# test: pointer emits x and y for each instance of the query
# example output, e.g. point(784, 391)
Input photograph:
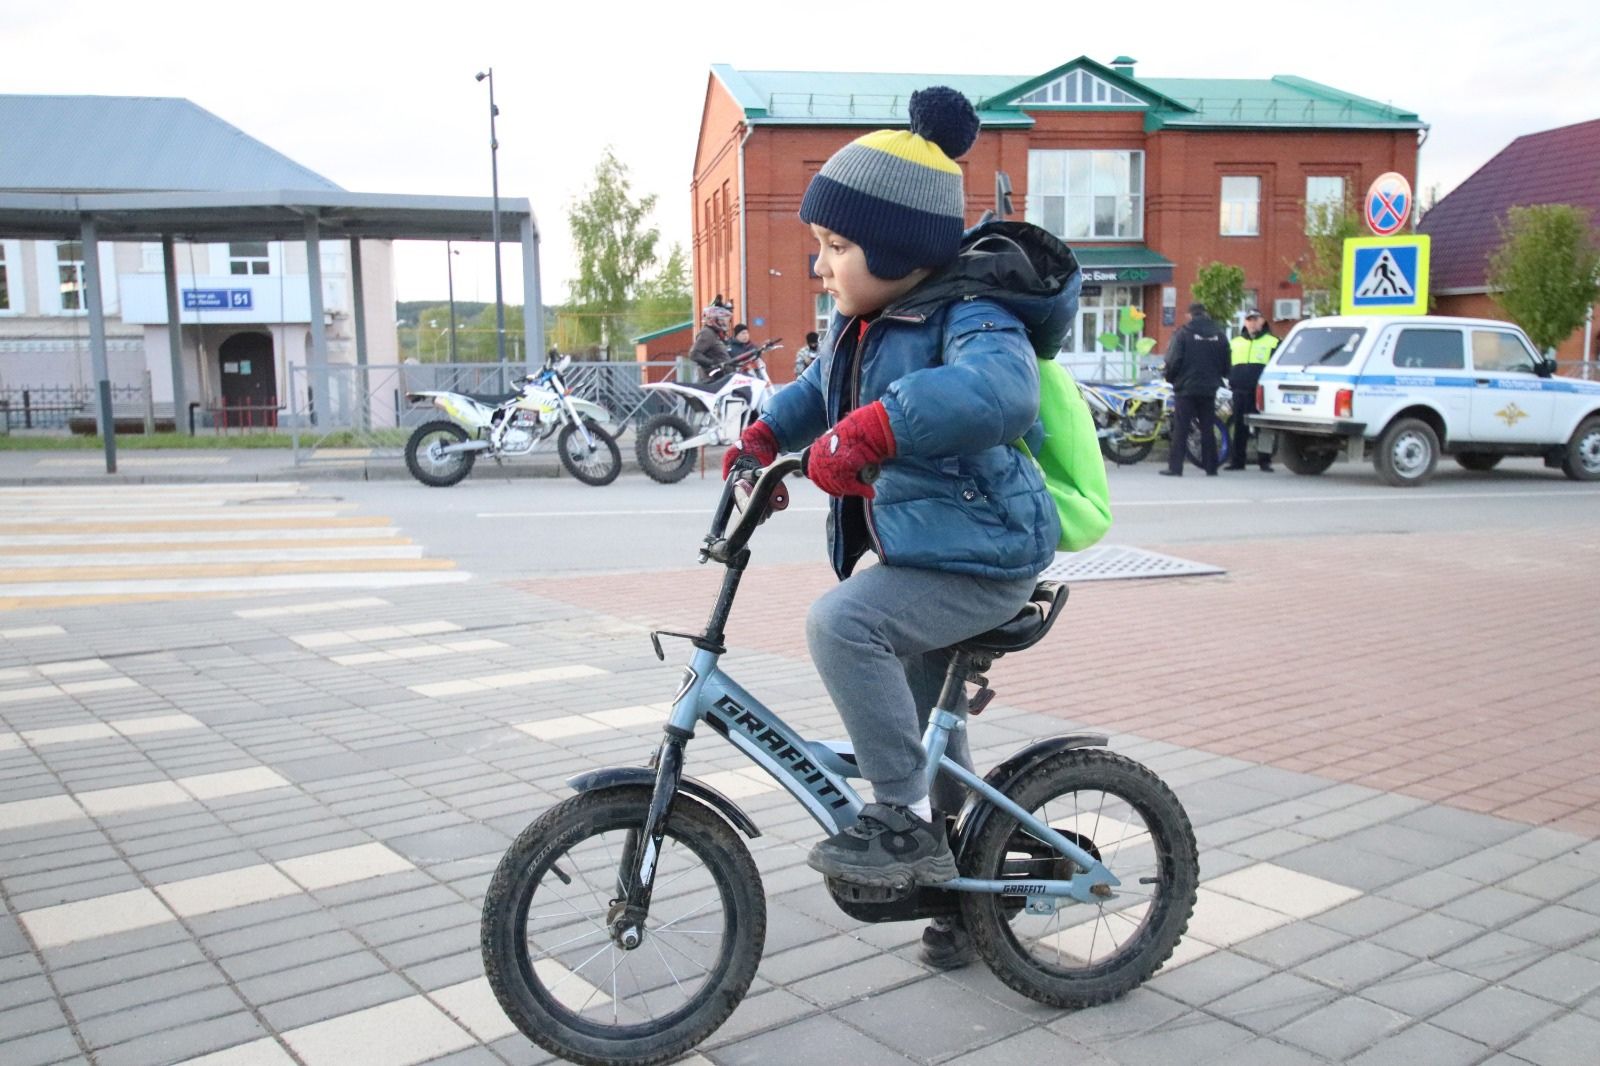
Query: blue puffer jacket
point(954, 364)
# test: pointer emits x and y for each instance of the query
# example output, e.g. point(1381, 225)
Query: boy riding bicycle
point(928, 370)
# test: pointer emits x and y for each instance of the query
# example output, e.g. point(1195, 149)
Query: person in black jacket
point(1197, 362)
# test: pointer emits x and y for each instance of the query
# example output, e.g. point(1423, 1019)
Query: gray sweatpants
point(878, 639)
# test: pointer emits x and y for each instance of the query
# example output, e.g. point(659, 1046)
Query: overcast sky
point(381, 98)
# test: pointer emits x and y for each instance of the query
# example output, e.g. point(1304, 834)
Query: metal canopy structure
point(267, 215)
point(312, 215)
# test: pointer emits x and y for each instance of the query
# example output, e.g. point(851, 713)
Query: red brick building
point(1552, 167)
point(1148, 179)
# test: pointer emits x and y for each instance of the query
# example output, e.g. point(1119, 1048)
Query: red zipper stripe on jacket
point(855, 402)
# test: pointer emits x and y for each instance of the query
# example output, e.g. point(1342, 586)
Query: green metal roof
point(1091, 256)
point(663, 332)
point(821, 98)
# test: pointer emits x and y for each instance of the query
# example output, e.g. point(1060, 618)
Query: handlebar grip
point(867, 474)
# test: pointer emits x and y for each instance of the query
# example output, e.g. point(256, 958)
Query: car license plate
point(1299, 398)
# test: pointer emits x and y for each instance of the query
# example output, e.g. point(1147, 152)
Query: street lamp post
point(494, 175)
point(450, 278)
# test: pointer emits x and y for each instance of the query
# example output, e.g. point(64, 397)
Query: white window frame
point(251, 261)
point(1074, 203)
point(16, 302)
point(1233, 221)
point(1323, 201)
point(823, 308)
point(1079, 88)
point(48, 271)
point(1250, 298)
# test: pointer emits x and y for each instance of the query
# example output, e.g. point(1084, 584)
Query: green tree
point(1328, 226)
point(1546, 272)
point(615, 244)
point(1221, 288)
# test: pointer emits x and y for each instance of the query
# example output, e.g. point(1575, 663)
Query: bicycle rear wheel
point(549, 954)
point(1084, 954)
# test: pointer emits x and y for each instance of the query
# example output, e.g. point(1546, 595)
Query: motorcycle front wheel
point(660, 448)
point(1125, 452)
point(1219, 433)
point(554, 965)
point(424, 460)
point(597, 465)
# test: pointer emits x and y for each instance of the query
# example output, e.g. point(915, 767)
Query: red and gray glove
point(861, 437)
point(757, 441)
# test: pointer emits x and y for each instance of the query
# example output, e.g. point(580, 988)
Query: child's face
point(742, 336)
point(842, 266)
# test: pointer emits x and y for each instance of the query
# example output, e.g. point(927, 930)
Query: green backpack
point(1074, 472)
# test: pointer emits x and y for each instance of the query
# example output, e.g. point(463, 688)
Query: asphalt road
point(527, 527)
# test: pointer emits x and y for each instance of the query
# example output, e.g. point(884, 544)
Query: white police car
point(1406, 389)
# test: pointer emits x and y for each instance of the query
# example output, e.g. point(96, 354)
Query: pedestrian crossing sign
point(1385, 276)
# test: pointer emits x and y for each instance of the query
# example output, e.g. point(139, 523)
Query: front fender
point(643, 775)
point(590, 409)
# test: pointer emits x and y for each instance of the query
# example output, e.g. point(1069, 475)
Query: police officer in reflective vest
point(1250, 350)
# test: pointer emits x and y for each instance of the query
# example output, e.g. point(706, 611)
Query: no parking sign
point(1388, 204)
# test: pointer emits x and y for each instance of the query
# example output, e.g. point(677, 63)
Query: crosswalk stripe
point(72, 547)
point(187, 557)
point(189, 525)
point(165, 544)
point(11, 576)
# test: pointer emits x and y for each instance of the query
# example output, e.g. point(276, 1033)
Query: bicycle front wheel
point(547, 945)
point(1083, 954)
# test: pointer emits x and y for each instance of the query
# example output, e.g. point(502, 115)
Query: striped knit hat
point(898, 194)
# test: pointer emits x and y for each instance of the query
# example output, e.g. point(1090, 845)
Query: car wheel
point(1407, 453)
point(1303, 457)
point(1478, 460)
point(1583, 451)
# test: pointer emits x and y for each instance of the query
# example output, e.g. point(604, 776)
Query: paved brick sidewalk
point(258, 832)
point(1459, 669)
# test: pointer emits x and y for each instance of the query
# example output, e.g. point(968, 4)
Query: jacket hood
point(1017, 265)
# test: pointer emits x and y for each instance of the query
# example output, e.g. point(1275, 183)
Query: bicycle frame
point(815, 773)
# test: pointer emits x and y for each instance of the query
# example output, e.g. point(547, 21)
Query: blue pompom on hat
point(897, 193)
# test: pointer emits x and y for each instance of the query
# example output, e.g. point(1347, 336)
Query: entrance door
point(249, 381)
point(1099, 309)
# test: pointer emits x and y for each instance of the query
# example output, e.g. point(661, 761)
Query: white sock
point(922, 809)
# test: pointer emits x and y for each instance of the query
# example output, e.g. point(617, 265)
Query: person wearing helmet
point(710, 350)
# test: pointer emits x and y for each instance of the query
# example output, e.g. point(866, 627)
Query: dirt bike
point(441, 452)
point(1127, 418)
point(718, 411)
point(625, 924)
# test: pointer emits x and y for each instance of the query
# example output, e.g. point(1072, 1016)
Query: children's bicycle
point(625, 924)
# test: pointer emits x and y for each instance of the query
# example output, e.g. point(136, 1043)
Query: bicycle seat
point(1027, 628)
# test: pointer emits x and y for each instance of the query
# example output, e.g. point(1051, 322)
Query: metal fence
point(368, 410)
point(68, 406)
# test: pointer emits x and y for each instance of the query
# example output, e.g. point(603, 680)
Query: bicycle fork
point(636, 874)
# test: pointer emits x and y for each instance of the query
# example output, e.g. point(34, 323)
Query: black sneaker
point(947, 945)
point(888, 847)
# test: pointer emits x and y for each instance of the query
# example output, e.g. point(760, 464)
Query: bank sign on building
point(1147, 178)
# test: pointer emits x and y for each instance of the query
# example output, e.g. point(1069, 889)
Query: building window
point(824, 311)
point(1085, 195)
point(248, 257)
point(5, 281)
point(1324, 202)
point(1318, 302)
point(1250, 297)
point(1241, 206)
point(69, 272)
point(1079, 87)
